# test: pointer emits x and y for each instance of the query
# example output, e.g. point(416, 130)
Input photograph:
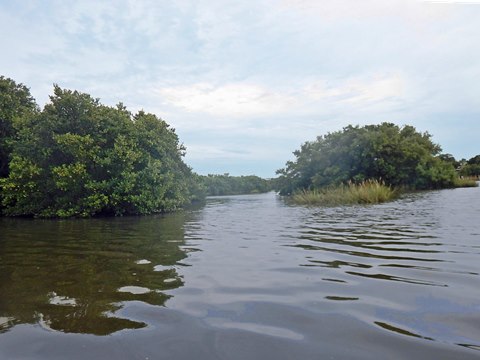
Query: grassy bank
point(367, 192)
point(465, 182)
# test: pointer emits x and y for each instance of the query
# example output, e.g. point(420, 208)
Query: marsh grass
point(465, 182)
point(366, 192)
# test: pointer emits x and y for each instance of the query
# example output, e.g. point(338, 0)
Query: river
point(248, 277)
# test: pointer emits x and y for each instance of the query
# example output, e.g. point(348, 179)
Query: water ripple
point(393, 280)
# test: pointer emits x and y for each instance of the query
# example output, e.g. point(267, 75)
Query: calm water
point(248, 277)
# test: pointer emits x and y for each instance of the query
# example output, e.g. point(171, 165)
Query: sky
point(245, 83)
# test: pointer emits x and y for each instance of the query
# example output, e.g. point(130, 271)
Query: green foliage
point(78, 157)
point(400, 156)
point(470, 170)
point(449, 158)
point(471, 167)
point(233, 185)
point(366, 192)
point(15, 103)
point(474, 160)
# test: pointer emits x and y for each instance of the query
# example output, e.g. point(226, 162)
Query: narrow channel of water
point(248, 277)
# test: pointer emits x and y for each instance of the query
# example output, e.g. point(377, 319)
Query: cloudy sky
point(244, 83)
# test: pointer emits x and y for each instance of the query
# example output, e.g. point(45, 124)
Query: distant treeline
point(464, 167)
point(233, 185)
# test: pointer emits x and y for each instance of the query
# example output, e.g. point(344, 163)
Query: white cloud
point(231, 99)
point(202, 151)
point(341, 10)
point(239, 100)
point(372, 88)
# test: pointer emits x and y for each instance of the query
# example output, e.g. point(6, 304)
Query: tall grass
point(366, 192)
point(465, 182)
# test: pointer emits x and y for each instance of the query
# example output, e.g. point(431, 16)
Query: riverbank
point(366, 192)
point(466, 182)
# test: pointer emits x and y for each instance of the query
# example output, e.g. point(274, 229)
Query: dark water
point(248, 277)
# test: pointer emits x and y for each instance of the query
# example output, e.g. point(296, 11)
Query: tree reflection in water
point(74, 275)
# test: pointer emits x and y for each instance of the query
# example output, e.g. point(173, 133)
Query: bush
point(78, 157)
point(400, 156)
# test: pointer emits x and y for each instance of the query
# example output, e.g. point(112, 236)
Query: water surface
point(248, 277)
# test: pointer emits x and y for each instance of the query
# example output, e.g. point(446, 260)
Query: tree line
point(218, 185)
point(77, 157)
point(464, 167)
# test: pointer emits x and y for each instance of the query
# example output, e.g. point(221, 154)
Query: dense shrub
point(78, 157)
point(399, 156)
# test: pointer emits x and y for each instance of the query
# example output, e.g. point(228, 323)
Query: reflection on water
point(73, 275)
point(251, 277)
